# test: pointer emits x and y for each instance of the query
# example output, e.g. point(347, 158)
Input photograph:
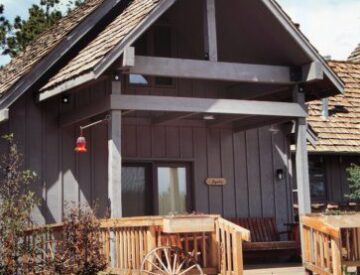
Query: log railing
point(217, 247)
point(330, 244)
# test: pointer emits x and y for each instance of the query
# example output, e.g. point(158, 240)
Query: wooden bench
point(266, 237)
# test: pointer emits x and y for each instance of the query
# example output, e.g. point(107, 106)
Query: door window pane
point(133, 191)
point(172, 190)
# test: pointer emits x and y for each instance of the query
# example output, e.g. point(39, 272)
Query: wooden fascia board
point(66, 86)
point(200, 69)
point(206, 105)
point(303, 42)
point(67, 43)
point(130, 38)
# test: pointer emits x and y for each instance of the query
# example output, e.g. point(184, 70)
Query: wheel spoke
point(180, 266)
point(167, 259)
point(161, 262)
point(154, 265)
point(188, 269)
point(175, 261)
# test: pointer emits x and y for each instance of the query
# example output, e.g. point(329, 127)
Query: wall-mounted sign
point(216, 181)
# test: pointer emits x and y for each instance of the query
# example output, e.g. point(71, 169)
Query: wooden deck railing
point(330, 243)
point(218, 249)
point(229, 238)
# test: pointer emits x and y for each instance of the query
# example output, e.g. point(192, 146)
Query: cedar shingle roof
point(355, 55)
point(105, 41)
point(341, 131)
point(23, 63)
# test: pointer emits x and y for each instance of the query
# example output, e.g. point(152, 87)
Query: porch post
point(302, 166)
point(114, 158)
point(114, 166)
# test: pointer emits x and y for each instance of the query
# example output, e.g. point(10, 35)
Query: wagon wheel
point(168, 260)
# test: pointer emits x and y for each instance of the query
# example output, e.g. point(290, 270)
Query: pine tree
point(16, 35)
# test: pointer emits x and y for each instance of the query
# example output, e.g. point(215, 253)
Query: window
point(172, 190)
point(317, 178)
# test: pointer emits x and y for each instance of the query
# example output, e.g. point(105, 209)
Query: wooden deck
point(285, 269)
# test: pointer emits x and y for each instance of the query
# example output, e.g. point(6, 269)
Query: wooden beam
point(86, 112)
point(171, 117)
point(236, 91)
point(257, 122)
point(4, 115)
point(128, 59)
point(210, 33)
point(224, 121)
point(200, 69)
point(206, 105)
point(313, 72)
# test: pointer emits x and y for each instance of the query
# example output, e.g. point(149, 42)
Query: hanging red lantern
point(81, 143)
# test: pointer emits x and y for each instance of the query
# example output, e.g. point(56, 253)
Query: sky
point(333, 26)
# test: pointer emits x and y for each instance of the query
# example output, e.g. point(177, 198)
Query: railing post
point(336, 256)
point(237, 256)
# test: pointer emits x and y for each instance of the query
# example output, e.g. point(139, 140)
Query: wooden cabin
point(186, 106)
point(335, 123)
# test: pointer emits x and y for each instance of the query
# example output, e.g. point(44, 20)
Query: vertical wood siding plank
point(267, 174)
point(172, 142)
point(201, 190)
point(241, 182)
point(158, 142)
point(129, 143)
point(281, 195)
point(186, 143)
point(253, 162)
point(52, 171)
point(214, 170)
point(143, 140)
point(227, 164)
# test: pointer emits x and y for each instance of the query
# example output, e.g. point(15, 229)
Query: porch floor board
point(285, 269)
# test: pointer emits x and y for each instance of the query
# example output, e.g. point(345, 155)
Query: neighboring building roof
point(24, 62)
point(340, 132)
point(355, 55)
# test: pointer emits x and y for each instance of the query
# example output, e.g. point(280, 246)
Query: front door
point(155, 189)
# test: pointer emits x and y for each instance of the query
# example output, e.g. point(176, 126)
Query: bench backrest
point(261, 229)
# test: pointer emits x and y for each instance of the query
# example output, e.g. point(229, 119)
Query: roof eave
point(299, 37)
